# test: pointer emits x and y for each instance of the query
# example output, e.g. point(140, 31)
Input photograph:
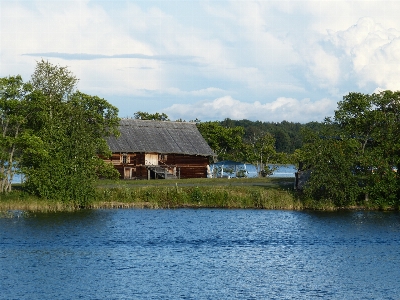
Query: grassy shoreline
point(259, 193)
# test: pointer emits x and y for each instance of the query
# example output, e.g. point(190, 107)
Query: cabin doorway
point(127, 173)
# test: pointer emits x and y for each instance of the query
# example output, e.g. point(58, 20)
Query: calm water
point(284, 171)
point(200, 254)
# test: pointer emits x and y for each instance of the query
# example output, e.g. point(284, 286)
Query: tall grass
point(162, 197)
point(192, 194)
point(18, 200)
point(196, 197)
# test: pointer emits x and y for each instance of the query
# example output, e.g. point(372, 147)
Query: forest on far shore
point(287, 135)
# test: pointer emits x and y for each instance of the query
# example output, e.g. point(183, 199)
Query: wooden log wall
point(189, 166)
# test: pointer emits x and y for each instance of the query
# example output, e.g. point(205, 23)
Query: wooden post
point(148, 174)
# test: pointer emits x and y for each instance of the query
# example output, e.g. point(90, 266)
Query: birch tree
point(13, 114)
point(260, 151)
point(71, 127)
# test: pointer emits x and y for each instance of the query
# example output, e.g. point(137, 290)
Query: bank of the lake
point(197, 193)
point(255, 193)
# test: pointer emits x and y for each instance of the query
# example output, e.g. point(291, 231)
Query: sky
point(258, 60)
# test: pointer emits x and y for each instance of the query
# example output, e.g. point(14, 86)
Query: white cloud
point(324, 69)
point(197, 93)
point(75, 27)
point(374, 53)
point(281, 109)
point(157, 53)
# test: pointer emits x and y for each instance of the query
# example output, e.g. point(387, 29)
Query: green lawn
point(267, 182)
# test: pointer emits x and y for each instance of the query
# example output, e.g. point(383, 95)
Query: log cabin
point(148, 149)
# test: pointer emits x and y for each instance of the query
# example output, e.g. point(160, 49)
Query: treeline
point(258, 143)
point(287, 135)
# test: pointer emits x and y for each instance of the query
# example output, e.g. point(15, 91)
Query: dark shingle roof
point(160, 137)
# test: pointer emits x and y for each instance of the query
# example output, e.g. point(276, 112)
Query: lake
point(200, 254)
point(282, 171)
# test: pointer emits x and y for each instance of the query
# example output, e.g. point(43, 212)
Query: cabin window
point(163, 157)
point(125, 159)
point(151, 159)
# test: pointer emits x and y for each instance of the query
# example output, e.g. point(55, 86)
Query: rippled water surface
point(200, 254)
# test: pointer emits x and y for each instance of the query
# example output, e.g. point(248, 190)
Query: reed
point(249, 194)
point(326, 205)
point(196, 197)
point(20, 201)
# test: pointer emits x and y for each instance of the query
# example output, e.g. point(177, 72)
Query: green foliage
point(330, 159)
point(196, 195)
point(54, 134)
point(287, 139)
point(260, 151)
point(55, 82)
point(13, 115)
point(199, 196)
point(147, 116)
point(73, 137)
point(355, 156)
point(226, 142)
point(287, 135)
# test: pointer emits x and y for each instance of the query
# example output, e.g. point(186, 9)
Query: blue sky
point(211, 60)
